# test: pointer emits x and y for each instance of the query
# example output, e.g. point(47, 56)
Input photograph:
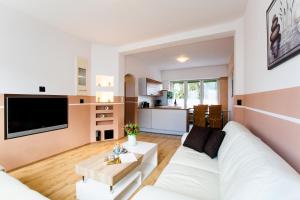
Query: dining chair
point(215, 116)
point(199, 115)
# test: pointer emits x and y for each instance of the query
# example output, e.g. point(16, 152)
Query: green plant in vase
point(132, 131)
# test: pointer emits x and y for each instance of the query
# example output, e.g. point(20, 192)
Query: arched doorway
point(131, 100)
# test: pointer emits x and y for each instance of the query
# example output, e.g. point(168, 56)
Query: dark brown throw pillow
point(197, 138)
point(213, 143)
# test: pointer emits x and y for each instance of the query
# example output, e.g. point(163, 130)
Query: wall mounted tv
point(32, 114)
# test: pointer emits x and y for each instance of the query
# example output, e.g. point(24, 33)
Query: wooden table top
point(95, 168)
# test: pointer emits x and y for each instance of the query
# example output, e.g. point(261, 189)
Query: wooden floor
point(55, 177)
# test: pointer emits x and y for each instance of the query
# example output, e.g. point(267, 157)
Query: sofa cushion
point(150, 193)
point(189, 181)
point(249, 169)
point(189, 157)
point(213, 143)
point(197, 137)
point(12, 189)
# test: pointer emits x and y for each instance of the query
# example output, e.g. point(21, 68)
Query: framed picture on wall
point(283, 30)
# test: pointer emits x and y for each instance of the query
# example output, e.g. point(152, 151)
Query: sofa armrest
point(184, 137)
point(2, 168)
point(151, 192)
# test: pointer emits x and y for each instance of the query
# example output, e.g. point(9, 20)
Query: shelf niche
point(104, 97)
point(103, 81)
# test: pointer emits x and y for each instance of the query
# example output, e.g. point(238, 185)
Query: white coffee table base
point(149, 151)
point(94, 190)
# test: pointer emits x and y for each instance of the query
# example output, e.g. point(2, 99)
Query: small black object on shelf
point(42, 89)
point(98, 135)
point(239, 102)
point(108, 134)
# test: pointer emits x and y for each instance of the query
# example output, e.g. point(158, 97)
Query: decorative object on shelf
point(283, 24)
point(105, 97)
point(175, 103)
point(112, 160)
point(132, 131)
point(106, 108)
point(104, 81)
point(119, 149)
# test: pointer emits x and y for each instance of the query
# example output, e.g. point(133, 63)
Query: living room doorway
point(131, 99)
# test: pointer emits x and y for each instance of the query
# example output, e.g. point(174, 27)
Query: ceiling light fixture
point(182, 59)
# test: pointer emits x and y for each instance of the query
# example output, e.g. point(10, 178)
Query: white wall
point(235, 27)
point(33, 53)
point(209, 72)
point(105, 60)
point(239, 58)
point(139, 70)
point(258, 78)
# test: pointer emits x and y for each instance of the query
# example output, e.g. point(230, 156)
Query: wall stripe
point(279, 116)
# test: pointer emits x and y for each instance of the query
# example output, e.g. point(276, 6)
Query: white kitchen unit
point(149, 87)
point(163, 120)
point(145, 118)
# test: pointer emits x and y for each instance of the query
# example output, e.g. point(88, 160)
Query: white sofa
point(246, 169)
point(12, 189)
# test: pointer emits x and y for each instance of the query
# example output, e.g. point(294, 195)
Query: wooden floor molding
point(55, 177)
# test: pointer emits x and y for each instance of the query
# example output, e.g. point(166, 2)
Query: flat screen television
point(32, 114)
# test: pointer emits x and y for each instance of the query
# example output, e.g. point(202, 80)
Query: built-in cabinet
point(107, 115)
point(104, 122)
point(82, 76)
point(149, 87)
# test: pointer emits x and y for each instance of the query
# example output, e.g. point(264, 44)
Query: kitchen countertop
point(167, 108)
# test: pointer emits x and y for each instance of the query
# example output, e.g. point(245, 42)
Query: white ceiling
point(205, 53)
point(120, 22)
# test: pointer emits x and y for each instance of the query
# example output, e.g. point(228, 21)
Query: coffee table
point(120, 181)
point(149, 152)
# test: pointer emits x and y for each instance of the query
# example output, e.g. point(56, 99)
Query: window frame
point(185, 82)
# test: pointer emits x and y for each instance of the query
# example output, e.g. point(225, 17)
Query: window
point(179, 94)
point(210, 90)
point(194, 92)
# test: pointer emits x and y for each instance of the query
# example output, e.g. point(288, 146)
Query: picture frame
point(283, 31)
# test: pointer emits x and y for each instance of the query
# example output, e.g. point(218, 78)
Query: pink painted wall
point(281, 135)
point(24, 150)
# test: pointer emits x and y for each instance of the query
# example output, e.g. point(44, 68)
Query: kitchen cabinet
point(149, 87)
point(163, 120)
point(168, 119)
point(145, 118)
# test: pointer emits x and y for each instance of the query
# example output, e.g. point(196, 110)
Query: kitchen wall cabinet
point(149, 87)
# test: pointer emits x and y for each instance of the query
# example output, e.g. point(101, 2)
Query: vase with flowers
point(132, 131)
